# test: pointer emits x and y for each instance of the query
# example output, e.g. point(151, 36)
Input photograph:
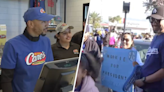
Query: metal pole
point(125, 22)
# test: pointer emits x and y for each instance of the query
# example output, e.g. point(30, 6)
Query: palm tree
point(94, 19)
point(152, 4)
point(117, 18)
point(113, 19)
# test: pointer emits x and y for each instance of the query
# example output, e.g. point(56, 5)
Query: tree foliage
point(116, 18)
point(152, 4)
point(95, 19)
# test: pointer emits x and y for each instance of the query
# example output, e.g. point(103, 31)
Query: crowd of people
point(24, 55)
point(152, 71)
point(112, 38)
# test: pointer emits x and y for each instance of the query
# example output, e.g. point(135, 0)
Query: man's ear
point(30, 24)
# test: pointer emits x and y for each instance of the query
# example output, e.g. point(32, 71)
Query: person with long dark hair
point(88, 71)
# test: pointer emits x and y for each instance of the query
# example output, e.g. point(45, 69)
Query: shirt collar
point(31, 38)
point(59, 45)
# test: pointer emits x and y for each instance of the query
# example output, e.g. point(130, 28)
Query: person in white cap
point(64, 48)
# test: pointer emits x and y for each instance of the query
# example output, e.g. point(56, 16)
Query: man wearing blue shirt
point(153, 69)
point(25, 54)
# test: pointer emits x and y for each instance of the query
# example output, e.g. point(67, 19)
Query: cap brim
point(156, 16)
point(148, 17)
point(46, 17)
point(70, 27)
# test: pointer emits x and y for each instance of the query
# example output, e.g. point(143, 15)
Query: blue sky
point(108, 8)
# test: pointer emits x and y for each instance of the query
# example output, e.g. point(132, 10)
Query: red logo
point(35, 58)
point(64, 24)
point(75, 51)
point(42, 10)
point(2, 36)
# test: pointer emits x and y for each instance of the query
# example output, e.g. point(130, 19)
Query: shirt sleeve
point(6, 79)
point(9, 57)
point(138, 59)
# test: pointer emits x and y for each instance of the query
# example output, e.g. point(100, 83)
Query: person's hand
point(139, 83)
point(135, 63)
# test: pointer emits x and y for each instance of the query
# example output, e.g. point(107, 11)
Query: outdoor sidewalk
point(102, 88)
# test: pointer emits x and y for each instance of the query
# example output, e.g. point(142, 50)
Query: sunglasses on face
point(126, 33)
point(125, 39)
point(151, 19)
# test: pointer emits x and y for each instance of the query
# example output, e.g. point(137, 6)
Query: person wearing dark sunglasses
point(128, 43)
point(153, 69)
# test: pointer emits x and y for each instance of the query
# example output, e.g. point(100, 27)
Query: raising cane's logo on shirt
point(35, 58)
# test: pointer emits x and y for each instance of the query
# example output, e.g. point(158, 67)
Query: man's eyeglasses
point(151, 19)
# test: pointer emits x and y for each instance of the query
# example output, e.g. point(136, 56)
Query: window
point(85, 10)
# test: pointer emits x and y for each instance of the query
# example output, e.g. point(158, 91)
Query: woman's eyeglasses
point(124, 39)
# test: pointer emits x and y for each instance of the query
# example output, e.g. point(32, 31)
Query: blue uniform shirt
point(26, 58)
point(154, 61)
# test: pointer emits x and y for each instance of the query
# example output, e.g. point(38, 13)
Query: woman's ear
point(57, 36)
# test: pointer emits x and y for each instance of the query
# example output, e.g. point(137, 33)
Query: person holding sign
point(88, 70)
point(153, 69)
point(127, 43)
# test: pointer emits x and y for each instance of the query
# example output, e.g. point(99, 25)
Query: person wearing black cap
point(153, 69)
point(64, 48)
point(25, 54)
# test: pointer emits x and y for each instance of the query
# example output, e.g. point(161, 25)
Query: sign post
point(126, 8)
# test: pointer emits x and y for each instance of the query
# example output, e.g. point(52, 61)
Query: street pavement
point(102, 88)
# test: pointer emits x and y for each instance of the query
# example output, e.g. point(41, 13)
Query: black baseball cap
point(157, 13)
